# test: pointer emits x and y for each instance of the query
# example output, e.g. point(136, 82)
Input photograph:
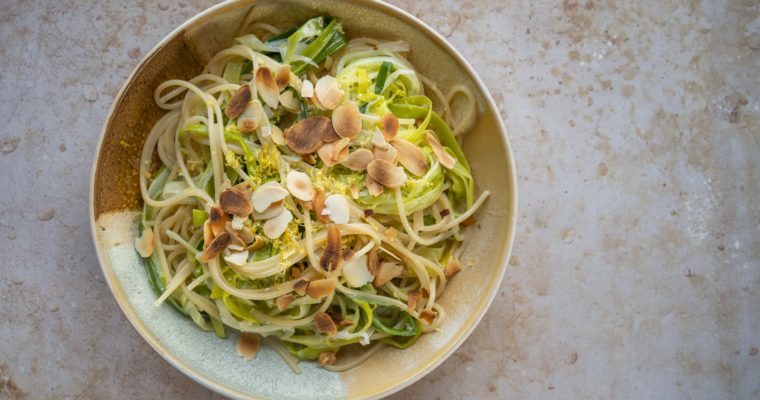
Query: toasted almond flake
point(452, 267)
point(208, 234)
point(346, 120)
point(237, 200)
point(266, 194)
point(235, 240)
point(440, 153)
point(378, 140)
point(324, 324)
point(301, 286)
point(217, 219)
point(238, 102)
point(276, 226)
point(373, 262)
point(216, 247)
point(289, 101)
point(386, 173)
point(320, 288)
point(256, 244)
point(328, 92)
point(331, 257)
point(237, 222)
point(357, 272)
point(410, 156)
point(245, 234)
point(307, 89)
point(388, 154)
point(300, 186)
point(284, 301)
point(354, 189)
point(277, 136)
point(386, 272)
point(319, 206)
point(389, 124)
point(337, 208)
point(282, 77)
point(411, 303)
point(358, 160)
point(239, 258)
point(327, 358)
point(373, 187)
point(268, 89)
point(251, 118)
point(145, 244)
point(335, 152)
point(272, 211)
point(307, 136)
point(248, 345)
point(427, 316)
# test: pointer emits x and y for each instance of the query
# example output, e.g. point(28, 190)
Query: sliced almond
point(256, 244)
point(387, 153)
point(386, 173)
point(308, 159)
point(373, 261)
point(319, 206)
point(337, 209)
point(389, 124)
point(301, 286)
point(331, 257)
point(267, 86)
point(266, 194)
point(237, 200)
point(386, 272)
point(358, 160)
point(235, 240)
point(446, 159)
point(208, 234)
point(282, 77)
point(272, 211)
point(410, 156)
point(427, 316)
point(411, 303)
point(276, 226)
point(307, 89)
point(289, 101)
point(145, 244)
point(284, 301)
point(251, 118)
point(320, 288)
point(216, 247)
point(238, 102)
point(328, 92)
point(245, 235)
point(334, 153)
point(324, 324)
point(239, 259)
point(374, 188)
point(248, 345)
point(277, 136)
point(300, 186)
point(217, 218)
point(378, 140)
point(307, 136)
point(452, 267)
point(327, 358)
point(346, 120)
point(357, 272)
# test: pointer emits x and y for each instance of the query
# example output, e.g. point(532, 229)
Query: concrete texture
point(637, 261)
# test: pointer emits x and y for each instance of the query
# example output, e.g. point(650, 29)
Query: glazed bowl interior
point(115, 208)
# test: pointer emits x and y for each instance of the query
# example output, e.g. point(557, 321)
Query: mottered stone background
point(636, 266)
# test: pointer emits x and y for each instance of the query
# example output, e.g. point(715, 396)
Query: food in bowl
point(303, 191)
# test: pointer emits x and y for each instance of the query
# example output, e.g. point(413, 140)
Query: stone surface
point(637, 261)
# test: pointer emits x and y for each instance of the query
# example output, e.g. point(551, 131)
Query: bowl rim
point(490, 105)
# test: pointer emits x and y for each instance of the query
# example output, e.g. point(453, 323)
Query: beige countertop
point(636, 266)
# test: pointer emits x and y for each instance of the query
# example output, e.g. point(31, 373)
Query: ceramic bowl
point(115, 204)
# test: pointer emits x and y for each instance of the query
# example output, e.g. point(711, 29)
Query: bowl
point(115, 206)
